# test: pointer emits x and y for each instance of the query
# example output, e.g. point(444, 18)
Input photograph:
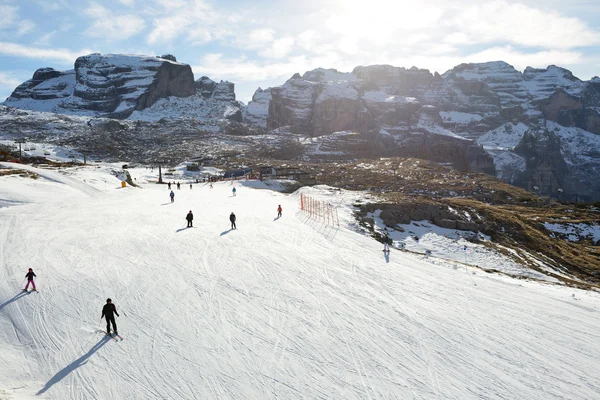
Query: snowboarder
point(233, 191)
point(178, 186)
point(386, 242)
point(172, 196)
point(108, 310)
point(169, 185)
point(29, 275)
point(279, 210)
point(190, 218)
point(232, 219)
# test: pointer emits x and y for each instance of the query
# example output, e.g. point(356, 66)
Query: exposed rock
point(395, 214)
point(170, 57)
point(105, 85)
point(205, 86)
point(415, 113)
point(336, 109)
point(46, 84)
point(257, 110)
point(292, 104)
point(224, 91)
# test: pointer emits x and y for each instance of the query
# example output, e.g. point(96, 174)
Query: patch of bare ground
point(513, 217)
point(20, 172)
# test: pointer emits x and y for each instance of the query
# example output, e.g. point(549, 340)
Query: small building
point(235, 173)
point(193, 166)
point(267, 171)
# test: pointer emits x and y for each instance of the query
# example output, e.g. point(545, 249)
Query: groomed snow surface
point(282, 308)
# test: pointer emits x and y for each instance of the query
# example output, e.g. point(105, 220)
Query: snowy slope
point(280, 308)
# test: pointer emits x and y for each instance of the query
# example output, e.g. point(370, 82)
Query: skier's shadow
point(73, 366)
point(386, 254)
point(15, 298)
point(276, 218)
point(225, 232)
point(183, 229)
point(166, 204)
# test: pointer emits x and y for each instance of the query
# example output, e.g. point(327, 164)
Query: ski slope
point(279, 308)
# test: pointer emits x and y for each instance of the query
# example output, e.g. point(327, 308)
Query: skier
point(169, 184)
point(210, 185)
point(172, 196)
point(279, 210)
point(108, 310)
point(233, 190)
point(232, 219)
point(190, 218)
point(191, 185)
point(178, 186)
point(386, 242)
point(29, 277)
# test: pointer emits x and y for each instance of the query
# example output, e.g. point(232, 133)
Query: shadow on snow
point(73, 366)
point(15, 298)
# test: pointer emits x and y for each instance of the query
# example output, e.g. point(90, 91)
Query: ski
point(119, 336)
point(111, 336)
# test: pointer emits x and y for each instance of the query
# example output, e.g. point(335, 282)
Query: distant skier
point(386, 242)
point(279, 210)
point(178, 186)
point(108, 310)
point(172, 195)
point(232, 219)
point(29, 275)
point(190, 218)
point(190, 186)
point(233, 191)
point(210, 185)
point(169, 184)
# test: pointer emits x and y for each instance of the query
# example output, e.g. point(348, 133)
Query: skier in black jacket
point(29, 277)
point(108, 310)
point(232, 219)
point(190, 218)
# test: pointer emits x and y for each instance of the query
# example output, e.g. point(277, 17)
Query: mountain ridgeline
point(126, 86)
point(538, 129)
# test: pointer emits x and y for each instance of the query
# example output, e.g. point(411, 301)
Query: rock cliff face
point(119, 86)
point(492, 105)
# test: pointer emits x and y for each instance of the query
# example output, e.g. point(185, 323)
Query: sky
point(263, 43)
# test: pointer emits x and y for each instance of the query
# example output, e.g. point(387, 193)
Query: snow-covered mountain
point(541, 127)
point(127, 86)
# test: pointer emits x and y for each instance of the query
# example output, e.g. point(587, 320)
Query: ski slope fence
point(319, 210)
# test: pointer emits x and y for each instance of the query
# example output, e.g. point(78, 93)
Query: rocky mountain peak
point(327, 75)
point(470, 115)
point(122, 86)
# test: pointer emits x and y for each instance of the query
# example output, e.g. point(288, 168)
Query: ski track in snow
point(279, 308)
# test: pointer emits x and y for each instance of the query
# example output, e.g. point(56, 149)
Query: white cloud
point(112, 26)
point(279, 48)
point(194, 19)
point(56, 5)
point(255, 39)
point(62, 55)
point(44, 40)
point(128, 3)
point(25, 26)
point(8, 16)
point(9, 81)
point(499, 21)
